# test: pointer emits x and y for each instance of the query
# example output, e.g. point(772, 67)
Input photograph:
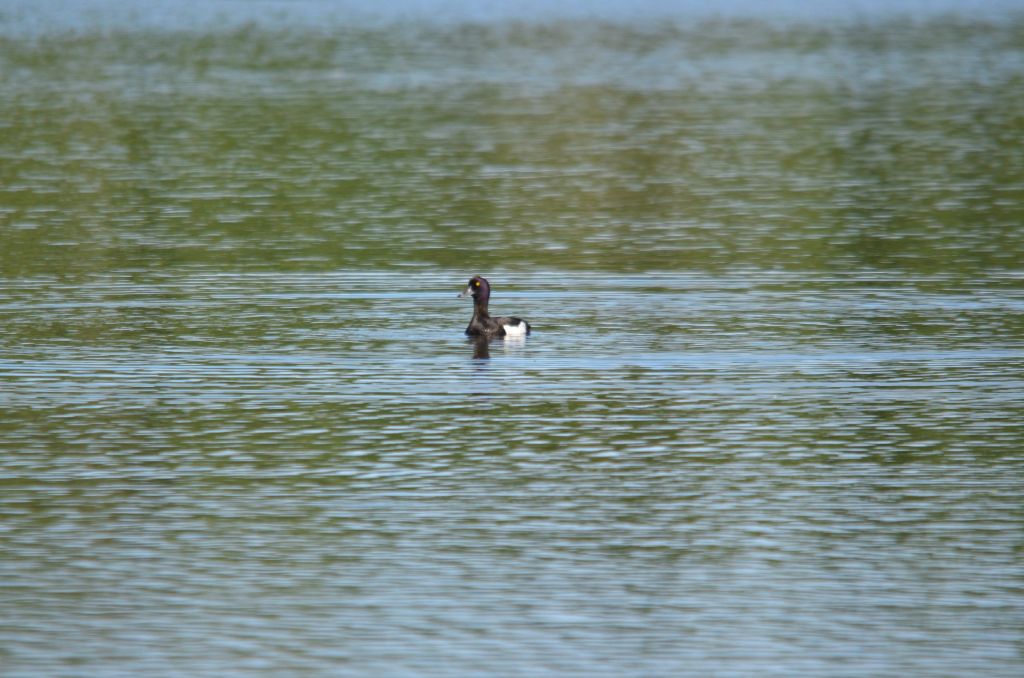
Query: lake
point(770, 420)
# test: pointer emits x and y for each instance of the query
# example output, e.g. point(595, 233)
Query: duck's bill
point(466, 292)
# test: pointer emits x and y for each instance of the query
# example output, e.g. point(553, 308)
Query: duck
point(482, 324)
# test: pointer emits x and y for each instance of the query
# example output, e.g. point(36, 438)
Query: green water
point(769, 421)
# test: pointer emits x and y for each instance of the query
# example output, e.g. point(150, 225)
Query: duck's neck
point(480, 307)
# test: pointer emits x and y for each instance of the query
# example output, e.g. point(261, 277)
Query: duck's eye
point(476, 283)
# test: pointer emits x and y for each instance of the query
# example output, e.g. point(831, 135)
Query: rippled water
point(769, 421)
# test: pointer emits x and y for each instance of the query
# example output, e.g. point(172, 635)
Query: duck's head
point(478, 287)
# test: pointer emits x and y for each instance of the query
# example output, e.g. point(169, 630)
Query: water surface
point(768, 423)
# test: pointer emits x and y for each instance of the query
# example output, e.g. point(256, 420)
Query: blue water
point(768, 421)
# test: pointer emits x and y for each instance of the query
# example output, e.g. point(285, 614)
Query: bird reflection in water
point(481, 348)
point(482, 345)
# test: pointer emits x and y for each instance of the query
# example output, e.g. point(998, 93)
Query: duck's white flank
point(517, 330)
